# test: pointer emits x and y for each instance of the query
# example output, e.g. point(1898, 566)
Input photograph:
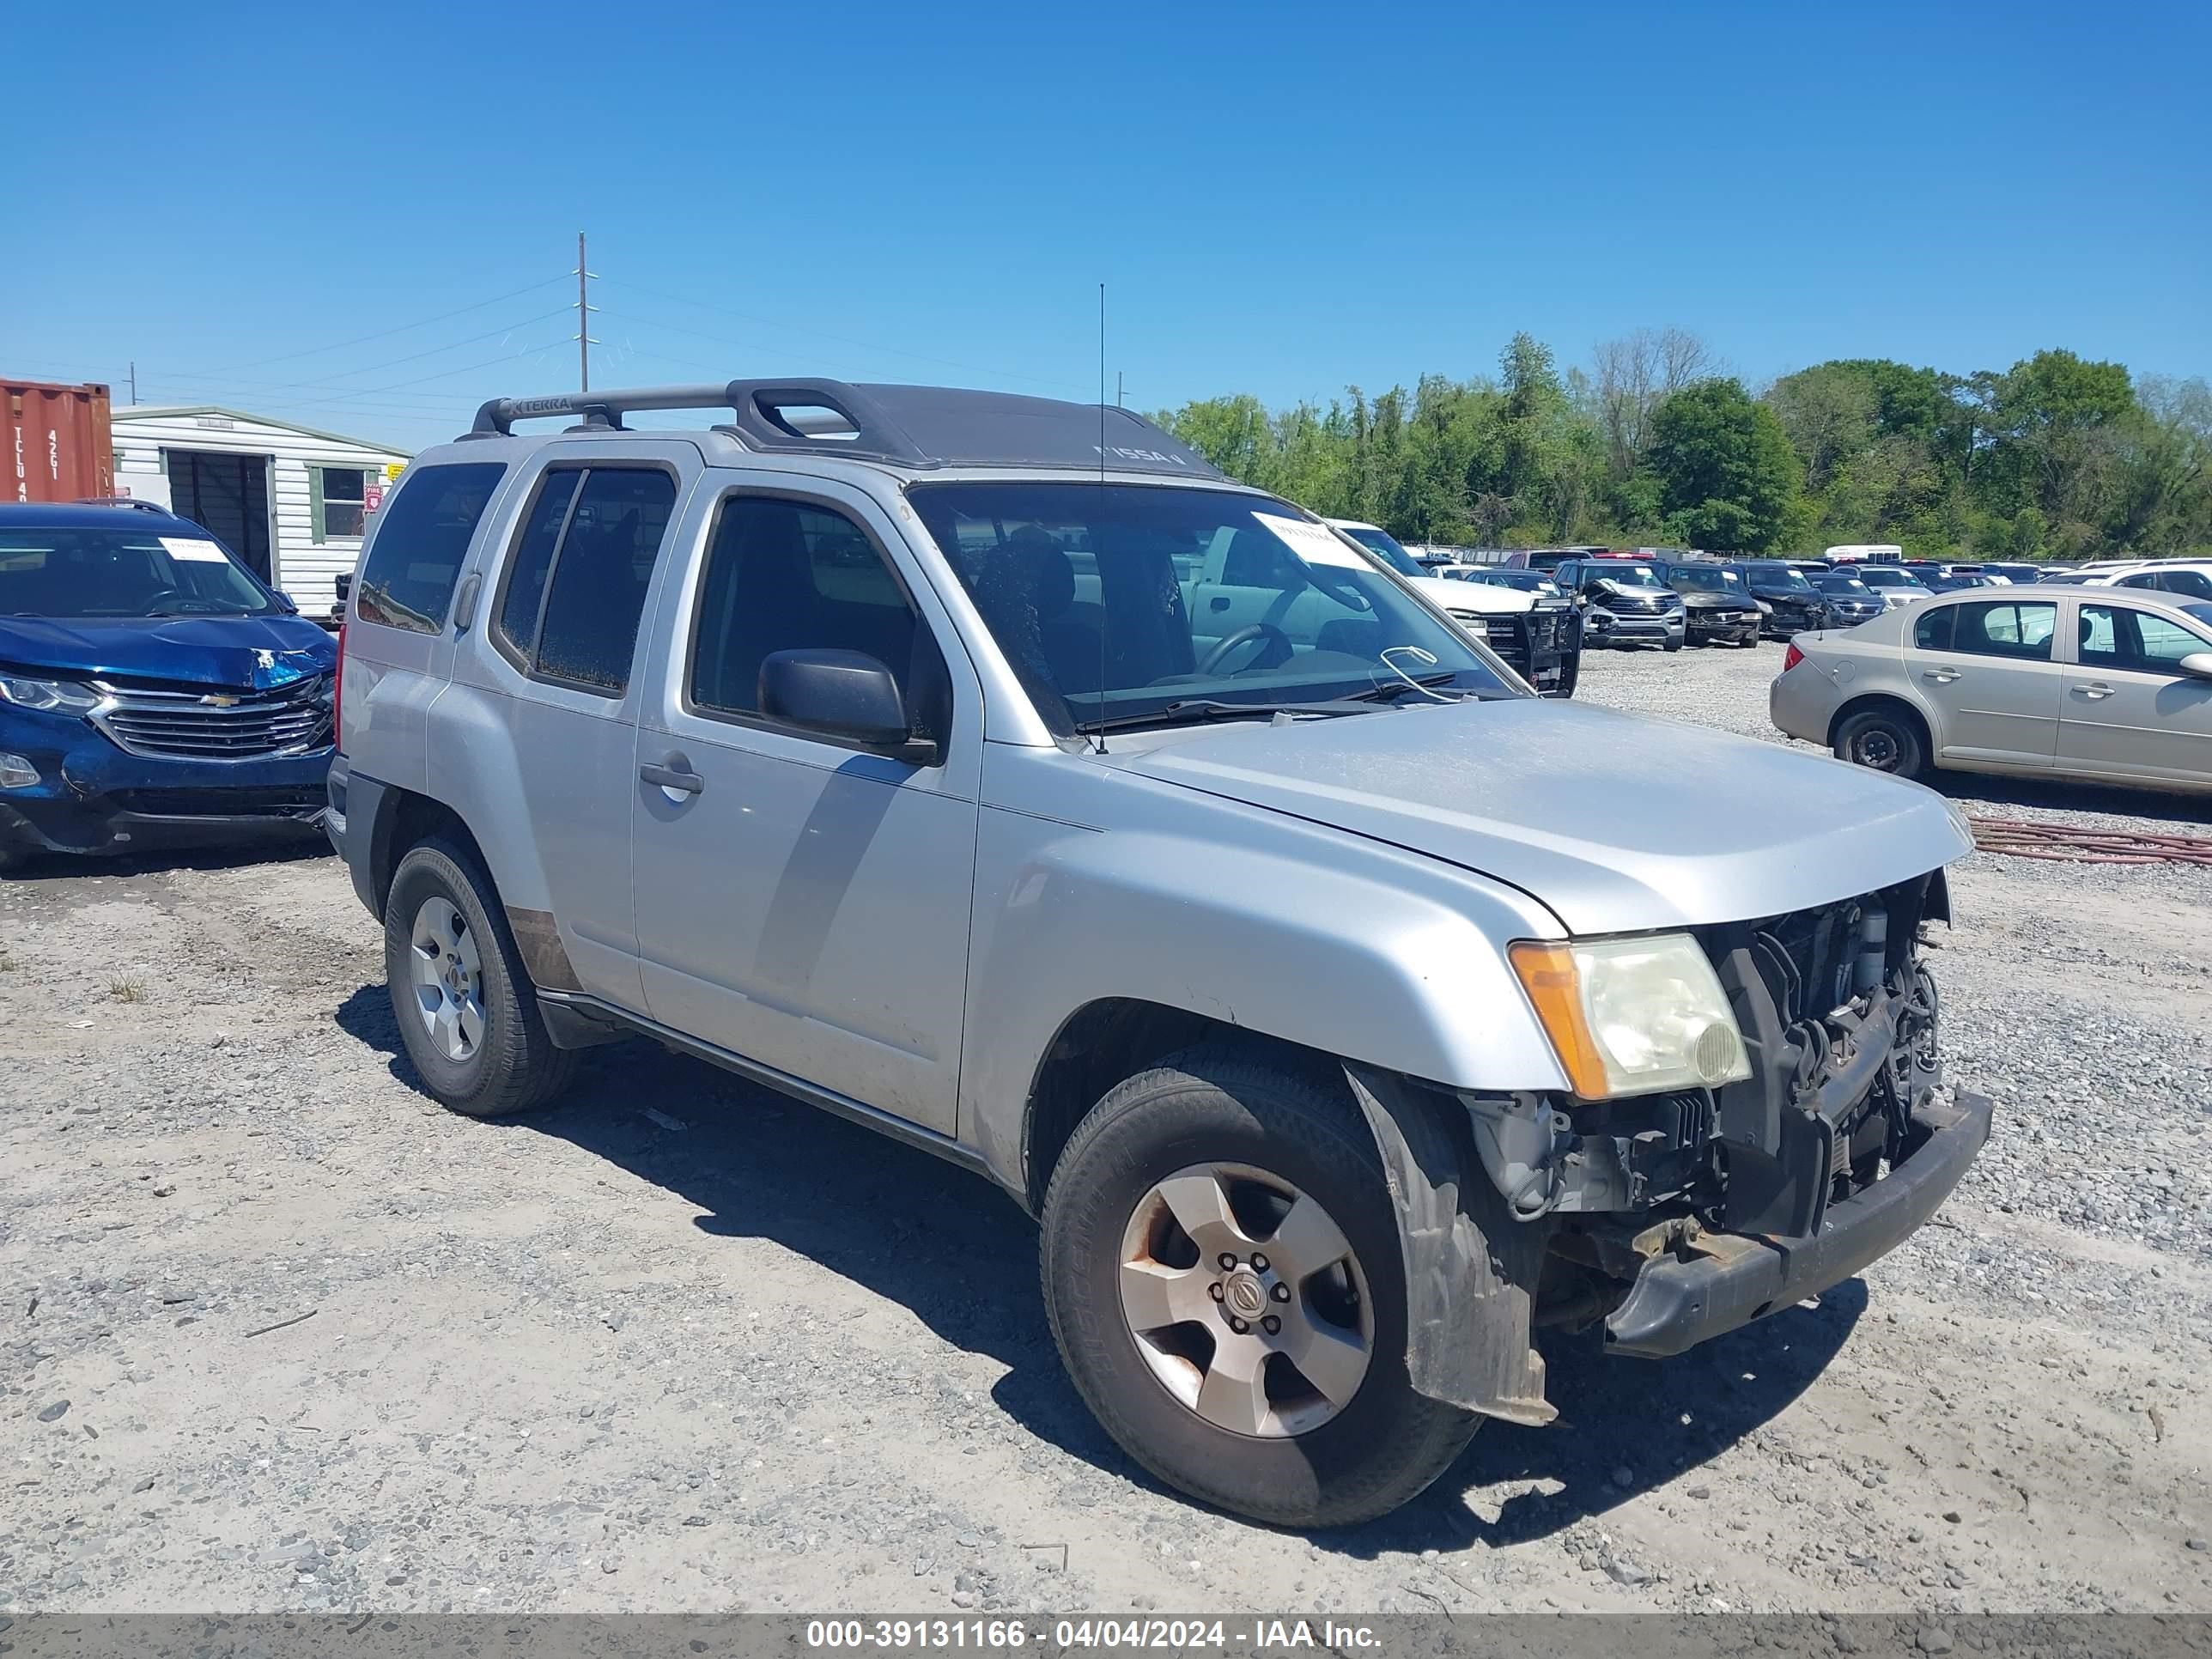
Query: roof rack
point(910, 426)
point(122, 500)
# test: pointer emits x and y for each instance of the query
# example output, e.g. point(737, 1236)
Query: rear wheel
point(1883, 740)
point(1221, 1265)
point(466, 1012)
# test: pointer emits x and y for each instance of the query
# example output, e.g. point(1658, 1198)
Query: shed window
point(338, 496)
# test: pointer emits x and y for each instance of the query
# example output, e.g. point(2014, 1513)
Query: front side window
point(2121, 636)
point(2191, 583)
point(1118, 602)
point(408, 578)
point(82, 574)
point(2003, 629)
point(786, 576)
point(577, 585)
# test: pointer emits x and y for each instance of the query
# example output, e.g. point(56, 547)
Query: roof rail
point(918, 426)
point(122, 500)
point(763, 410)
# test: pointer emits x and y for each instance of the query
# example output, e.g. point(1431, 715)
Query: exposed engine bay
point(1838, 1017)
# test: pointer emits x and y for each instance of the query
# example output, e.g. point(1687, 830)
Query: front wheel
point(466, 1012)
point(1882, 740)
point(1673, 645)
point(1221, 1266)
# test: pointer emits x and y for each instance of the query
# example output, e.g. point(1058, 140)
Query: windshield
point(1692, 579)
point(1385, 547)
point(119, 570)
point(1842, 585)
point(1183, 595)
point(1876, 576)
point(1628, 571)
point(1772, 578)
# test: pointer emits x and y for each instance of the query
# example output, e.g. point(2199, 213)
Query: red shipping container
point(57, 442)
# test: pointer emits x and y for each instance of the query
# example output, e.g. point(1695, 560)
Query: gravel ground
point(278, 1332)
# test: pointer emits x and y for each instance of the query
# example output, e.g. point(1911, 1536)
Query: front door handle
point(2093, 691)
point(1940, 676)
point(1218, 602)
point(674, 773)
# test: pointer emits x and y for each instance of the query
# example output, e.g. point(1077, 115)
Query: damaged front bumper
point(1711, 1283)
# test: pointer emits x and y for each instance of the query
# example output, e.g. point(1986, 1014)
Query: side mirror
point(845, 695)
point(2197, 665)
point(286, 603)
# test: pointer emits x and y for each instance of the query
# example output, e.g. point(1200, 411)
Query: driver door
point(2130, 712)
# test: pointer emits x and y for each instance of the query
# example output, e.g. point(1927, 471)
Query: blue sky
point(1284, 199)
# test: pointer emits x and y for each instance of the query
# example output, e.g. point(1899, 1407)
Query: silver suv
point(993, 772)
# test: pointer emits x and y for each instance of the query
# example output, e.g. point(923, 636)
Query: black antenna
point(1098, 525)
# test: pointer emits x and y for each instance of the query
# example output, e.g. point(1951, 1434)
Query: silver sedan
point(2093, 684)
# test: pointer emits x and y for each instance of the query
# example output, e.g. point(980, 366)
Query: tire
point(1314, 1460)
point(508, 1062)
point(1883, 740)
point(1672, 646)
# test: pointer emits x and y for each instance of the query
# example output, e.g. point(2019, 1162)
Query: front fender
point(1471, 1269)
point(1251, 920)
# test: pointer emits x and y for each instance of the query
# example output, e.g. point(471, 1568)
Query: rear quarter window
point(415, 558)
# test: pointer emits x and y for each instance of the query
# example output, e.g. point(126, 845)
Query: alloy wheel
point(1246, 1300)
point(447, 973)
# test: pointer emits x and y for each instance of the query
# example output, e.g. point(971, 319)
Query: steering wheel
point(1277, 651)
point(159, 598)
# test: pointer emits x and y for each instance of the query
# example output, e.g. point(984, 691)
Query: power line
point(448, 374)
point(383, 333)
point(842, 339)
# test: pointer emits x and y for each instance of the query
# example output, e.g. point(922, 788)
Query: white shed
point(287, 499)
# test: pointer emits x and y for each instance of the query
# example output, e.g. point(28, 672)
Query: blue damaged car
point(154, 692)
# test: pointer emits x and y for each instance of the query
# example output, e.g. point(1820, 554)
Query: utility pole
point(584, 309)
point(1117, 388)
point(134, 383)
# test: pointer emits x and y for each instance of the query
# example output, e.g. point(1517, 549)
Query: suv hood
point(1617, 824)
point(1704, 599)
point(1479, 596)
point(252, 653)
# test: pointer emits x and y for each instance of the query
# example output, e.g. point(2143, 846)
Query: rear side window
point(575, 587)
point(2003, 629)
point(424, 535)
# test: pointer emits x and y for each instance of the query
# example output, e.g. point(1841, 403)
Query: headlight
point(49, 696)
point(1764, 608)
point(1632, 1016)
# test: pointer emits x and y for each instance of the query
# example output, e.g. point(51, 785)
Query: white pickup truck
point(1540, 637)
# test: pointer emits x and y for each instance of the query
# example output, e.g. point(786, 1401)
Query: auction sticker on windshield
point(193, 549)
point(1314, 543)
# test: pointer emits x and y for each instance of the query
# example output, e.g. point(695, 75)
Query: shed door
point(228, 494)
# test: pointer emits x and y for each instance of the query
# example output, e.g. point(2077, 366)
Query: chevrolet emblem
point(219, 700)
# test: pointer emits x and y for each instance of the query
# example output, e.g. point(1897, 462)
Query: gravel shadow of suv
point(992, 772)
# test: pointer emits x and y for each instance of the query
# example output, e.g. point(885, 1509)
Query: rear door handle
point(2092, 692)
point(675, 774)
point(1940, 676)
point(1218, 602)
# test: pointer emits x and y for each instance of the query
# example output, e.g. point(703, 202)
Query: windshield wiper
point(1391, 690)
point(1196, 709)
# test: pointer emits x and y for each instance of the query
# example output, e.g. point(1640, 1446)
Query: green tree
point(1728, 478)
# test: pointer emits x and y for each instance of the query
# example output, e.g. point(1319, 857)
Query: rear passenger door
point(1985, 668)
point(562, 621)
point(802, 903)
